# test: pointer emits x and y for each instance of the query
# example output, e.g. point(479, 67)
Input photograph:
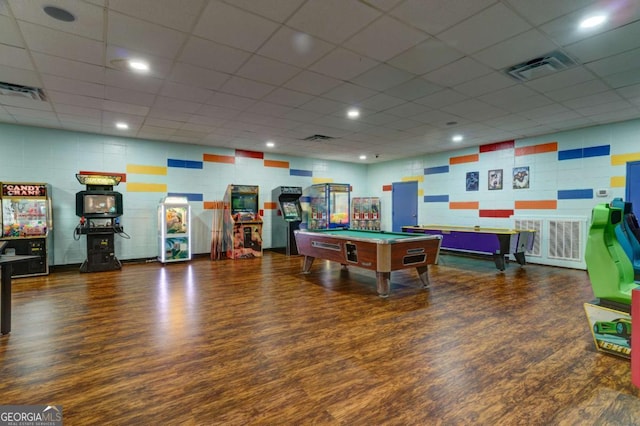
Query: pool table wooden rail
point(382, 255)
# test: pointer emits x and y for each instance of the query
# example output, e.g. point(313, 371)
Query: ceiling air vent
point(541, 67)
point(10, 89)
point(314, 138)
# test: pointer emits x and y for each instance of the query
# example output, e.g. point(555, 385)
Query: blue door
point(404, 205)
point(632, 193)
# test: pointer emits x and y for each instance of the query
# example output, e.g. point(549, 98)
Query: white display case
point(174, 229)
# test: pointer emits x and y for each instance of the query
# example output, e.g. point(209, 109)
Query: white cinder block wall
point(30, 154)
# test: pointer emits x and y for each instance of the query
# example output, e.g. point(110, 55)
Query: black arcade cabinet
point(288, 198)
point(99, 208)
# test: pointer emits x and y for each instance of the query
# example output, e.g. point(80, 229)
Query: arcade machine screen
point(98, 204)
point(290, 211)
point(244, 203)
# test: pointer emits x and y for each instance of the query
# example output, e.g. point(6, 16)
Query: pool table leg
point(498, 258)
point(520, 258)
point(383, 283)
point(308, 261)
point(423, 273)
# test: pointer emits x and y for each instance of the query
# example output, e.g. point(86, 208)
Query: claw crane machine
point(27, 224)
point(174, 229)
point(329, 205)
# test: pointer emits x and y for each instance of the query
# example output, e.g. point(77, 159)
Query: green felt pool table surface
point(372, 235)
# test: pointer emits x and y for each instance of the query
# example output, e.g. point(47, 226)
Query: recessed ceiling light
point(122, 126)
point(59, 14)
point(457, 138)
point(138, 65)
point(271, 144)
point(353, 113)
point(593, 21)
point(363, 157)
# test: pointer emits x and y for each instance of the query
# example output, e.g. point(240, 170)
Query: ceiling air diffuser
point(541, 67)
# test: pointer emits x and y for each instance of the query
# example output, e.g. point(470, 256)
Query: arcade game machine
point(99, 208)
point(282, 231)
point(329, 205)
point(174, 229)
point(612, 279)
point(27, 226)
point(365, 213)
point(242, 222)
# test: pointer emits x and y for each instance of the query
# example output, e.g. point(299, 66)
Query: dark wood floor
point(256, 342)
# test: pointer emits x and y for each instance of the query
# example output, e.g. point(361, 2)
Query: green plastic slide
point(609, 268)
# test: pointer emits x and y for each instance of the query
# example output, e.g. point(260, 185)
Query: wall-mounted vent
point(534, 225)
point(314, 138)
point(540, 67)
point(10, 89)
point(565, 240)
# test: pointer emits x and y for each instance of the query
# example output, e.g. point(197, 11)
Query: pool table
point(378, 251)
point(498, 242)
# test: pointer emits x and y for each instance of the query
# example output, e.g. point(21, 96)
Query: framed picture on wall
point(521, 177)
point(495, 179)
point(473, 180)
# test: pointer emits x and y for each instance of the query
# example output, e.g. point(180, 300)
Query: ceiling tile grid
point(239, 73)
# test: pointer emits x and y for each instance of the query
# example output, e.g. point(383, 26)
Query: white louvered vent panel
point(565, 240)
point(535, 225)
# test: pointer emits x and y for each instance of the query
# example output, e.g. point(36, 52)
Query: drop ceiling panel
point(15, 57)
point(180, 15)
point(561, 79)
point(381, 102)
point(383, 77)
point(312, 83)
point(349, 93)
point(267, 70)
point(197, 76)
point(233, 27)
point(384, 39)
point(246, 88)
point(540, 11)
point(143, 36)
point(458, 72)
point(607, 44)
point(441, 98)
point(520, 48)
point(276, 10)
point(132, 81)
point(186, 92)
point(485, 84)
point(287, 97)
point(9, 33)
point(343, 64)
point(295, 48)
point(413, 89)
point(493, 25)
point(615, 64)
point(215, 56)
point(332, 20)
point(427, 56)
point(75, 87)
point(435, 17)
point(67, 68)
point(578, 90)
point(62, 44)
